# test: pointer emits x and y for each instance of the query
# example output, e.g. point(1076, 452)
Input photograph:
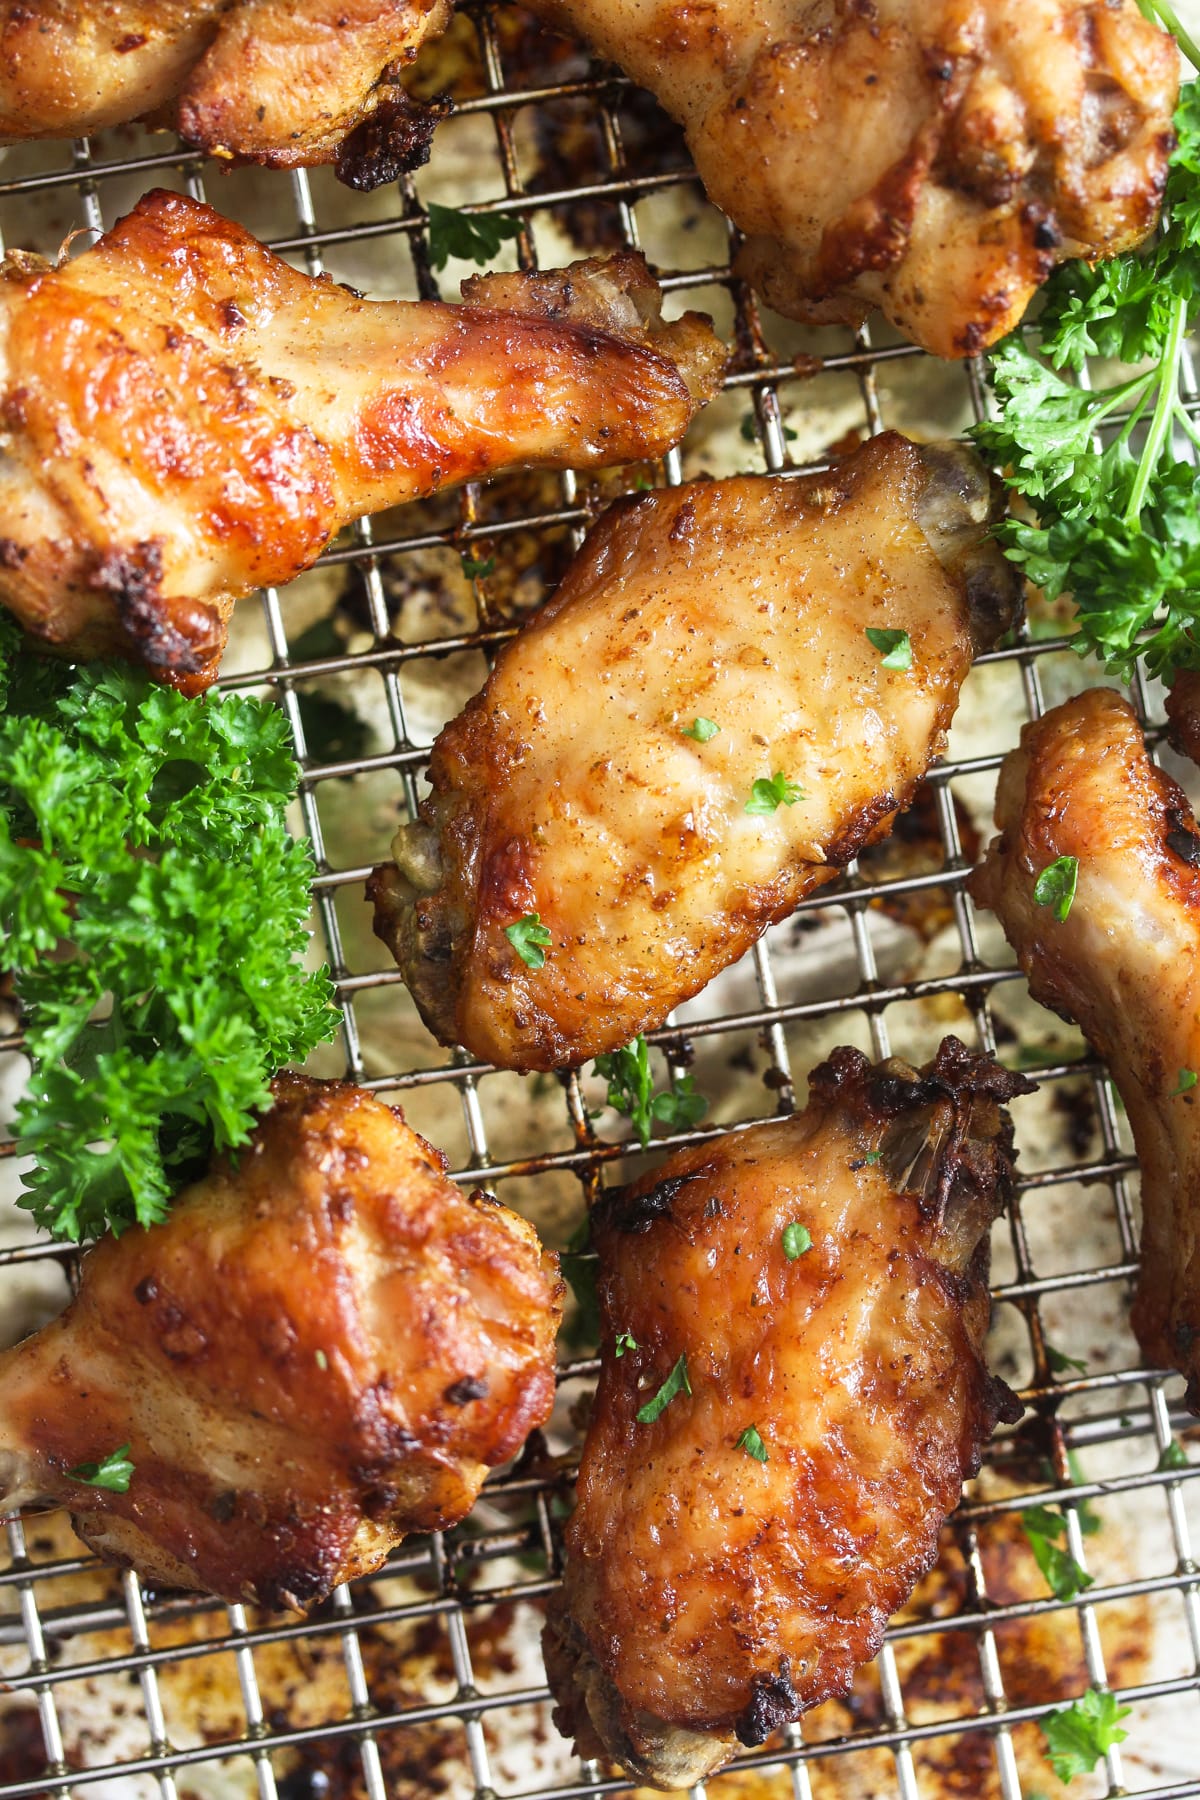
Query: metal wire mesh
point(427, 1679)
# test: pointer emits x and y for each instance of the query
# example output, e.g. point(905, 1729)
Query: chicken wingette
point(792, 1392)
point(184, 417)
point(936, 158)
point(281, 82)
point(1110, 937)
point(324, 1347)
point(692, 735)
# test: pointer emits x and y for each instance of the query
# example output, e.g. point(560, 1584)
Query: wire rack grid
point(426, 1678)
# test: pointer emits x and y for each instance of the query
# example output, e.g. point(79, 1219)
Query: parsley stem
point(1164, 410)
point(1170, 18)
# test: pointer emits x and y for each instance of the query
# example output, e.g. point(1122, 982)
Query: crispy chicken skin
point(184, 417)
point(935, 158)
point(281, 82)
point(1125, 964)
point(744, 602)
point(710, 1597)
point(323, 1348)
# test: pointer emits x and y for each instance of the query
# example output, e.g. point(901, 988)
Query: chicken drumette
point(325, 1347)
point(935, 158)
point(779, 1431)
point(282, 82)
point(653, 848)
point(184, 417)
point(1124, 963)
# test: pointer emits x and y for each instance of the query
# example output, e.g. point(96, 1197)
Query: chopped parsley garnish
point(631, 1091)
point(1117, 520)
point(1060, 1363)
point(872, 1157)
point(321, 1360)
point(796, 1240)
point(578, 1265)
point(1173, 1457)
point(1044, 1530)
point(701, 730)
point(530, 939)
point(752, 1444)
point(476, 571)
point(676, 1383)
point(1187, 1081)
point(625, 1341)
point(1077, 1736)
point(773, 791)
point(473, 237)
point(895, 647)
point(153, 912)
point(1056, 885)
point(112, 1471)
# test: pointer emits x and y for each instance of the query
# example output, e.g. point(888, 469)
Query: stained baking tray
point(427, 1679)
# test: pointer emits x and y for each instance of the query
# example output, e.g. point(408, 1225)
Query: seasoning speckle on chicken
point(1122, 959)
point(323, 1348)
point(653, 858)
point(936, 158)
point(718, 1584)
point(281, 82)
point(184, 417)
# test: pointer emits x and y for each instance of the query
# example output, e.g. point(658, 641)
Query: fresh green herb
point(872, 1157)
point(1077, 1736)
point(473, 237)
point(1090, 1521)
point(578, 1265)
point(700, 729)
point(625, 1341)
point(631, 1091)
point(1117, 517)
point(1060, 1363)
point(752, 1444)
point(153, 908)
point(112, 1471)
point(1187, 1081)
point(1173, 1457)
point(773, 791)
point(749, 430)
point(530, 939)
point(1064, 1576)
point(796, 1240)
point(476, 571)
point(321, 1360)
point(676, 1383)
point(1056, 885)
point(895, 647)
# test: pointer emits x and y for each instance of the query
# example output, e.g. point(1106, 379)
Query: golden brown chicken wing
point(282, 82)
point(186, 417)
point(1124, 963)
point(691, 736)
point(324, 1347)
point(792, 1391)
point(935, 158)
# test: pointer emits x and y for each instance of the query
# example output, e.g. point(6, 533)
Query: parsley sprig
point(473, 237)
point(1046, 1531)
point(1078, 1735)
point(114, 1471)
point(153, 910)
point(631, 1091)
point(1117, 517)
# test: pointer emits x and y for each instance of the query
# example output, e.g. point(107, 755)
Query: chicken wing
point(324, 1347)
point(185, 417)
point(1124, 963)
point(736, 1552)
point(653, 849)
point(935, 158)
point(309, 81)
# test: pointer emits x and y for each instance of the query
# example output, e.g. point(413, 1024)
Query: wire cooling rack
point(427, 1679)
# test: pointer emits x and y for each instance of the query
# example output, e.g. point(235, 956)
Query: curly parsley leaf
point(796, 1239)
point(1060, 1362)
point(751, 1442)
point(676, 1383)
point(1063, 1575)
point(1173, 1457)
point(1187, 1081)
point(530, 939)
point(631, 1091)
point(895, 647)
point(1077, 1736)
point(625, 1340)
point(701, 730)
point(1056, 885)
point(770, 792)
point(1117, 508)
point(112, 1471)
point(472, 237)
point(154, 911)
